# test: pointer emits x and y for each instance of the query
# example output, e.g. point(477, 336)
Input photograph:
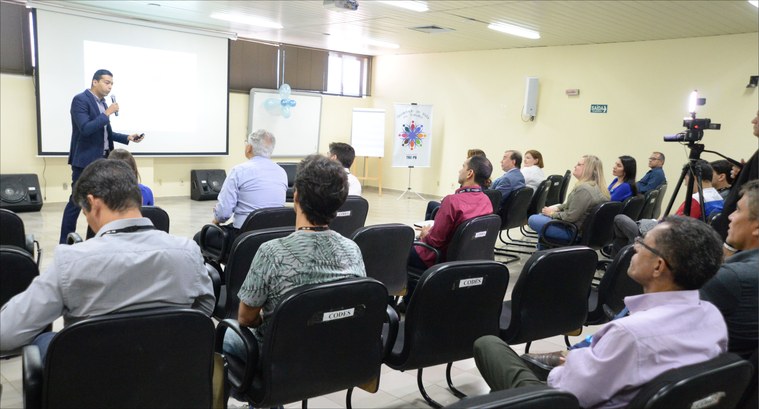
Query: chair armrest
point(32, 377)
point(571, 227)
point(425, 245)
point(209, 252)
point(610, 314)
point(392, 332)
point(33, 246)
point(73, 238)
point(215, 276)
point(251, 351)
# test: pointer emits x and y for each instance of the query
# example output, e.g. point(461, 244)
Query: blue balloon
point(271, 104)
point(286, 111)
point(291, 103)
point(284, 91)
point(283, 102)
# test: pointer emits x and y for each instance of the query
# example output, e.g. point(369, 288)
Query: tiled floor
point(397, 389)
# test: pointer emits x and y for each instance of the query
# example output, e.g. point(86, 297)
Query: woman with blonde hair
point(532, 169)
point(589, 191)
point(126, 156)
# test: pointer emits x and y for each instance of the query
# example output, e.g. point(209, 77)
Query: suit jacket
point(87, 131)
point(508, 182)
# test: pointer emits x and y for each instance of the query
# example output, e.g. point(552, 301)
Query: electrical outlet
point(160, 182)
point(65, 186)
point(181, 182)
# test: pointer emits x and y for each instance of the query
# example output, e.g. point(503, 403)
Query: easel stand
point(408, 189)
point(366, 177)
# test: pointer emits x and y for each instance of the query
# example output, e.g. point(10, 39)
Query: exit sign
point(599, 108)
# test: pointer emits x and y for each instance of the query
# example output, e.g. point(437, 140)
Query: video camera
point(694, 127)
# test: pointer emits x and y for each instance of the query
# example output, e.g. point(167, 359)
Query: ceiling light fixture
point(249, 20)
point(408, 5)
point(754, 3)
point(383, 44)
point(514, 30)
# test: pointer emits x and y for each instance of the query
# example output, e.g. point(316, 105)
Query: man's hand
point(137, 138)
point(425, 231)
point(113, 108)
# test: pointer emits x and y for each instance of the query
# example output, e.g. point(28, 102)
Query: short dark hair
point(723, 167)
point(630, 167)
point(704, 167)
point(345, 153)
point(322, 187)
point(113, 181)
point(99, 74)
point(516, 156)
point(692, 248)
point(661, 156)
point(482, 169)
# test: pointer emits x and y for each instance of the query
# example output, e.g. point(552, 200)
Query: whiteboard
point(368, 132)
point(297, 135)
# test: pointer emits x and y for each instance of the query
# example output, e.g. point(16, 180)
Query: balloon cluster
point(283, 105)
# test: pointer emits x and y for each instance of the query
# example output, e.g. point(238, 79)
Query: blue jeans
point(43, 342)
point(555, 232)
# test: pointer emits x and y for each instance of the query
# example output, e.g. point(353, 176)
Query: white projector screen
point(170, 85)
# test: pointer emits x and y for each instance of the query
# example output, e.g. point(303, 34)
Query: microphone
point(113, 101)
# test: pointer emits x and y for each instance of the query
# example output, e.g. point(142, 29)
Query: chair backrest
point(554, 192)
point(290, 169)
point(269, 217)
point(17, 271)
point(513, 210)
point(659, 199)
point(158, 216)
point(717, 383)
point(142, 359)
point(385, 249)
point(650, 198)
point(469, 295)
point(550, 296)
point(526, 397)
point(241, 255)
point(350, 216)
point(474, 239)
point(632, 206)
point(564, 185)
point(322, 338)
point(12, 229)
point(615, 285)
point(538, 201)
point(495, 197)
point(598, 227)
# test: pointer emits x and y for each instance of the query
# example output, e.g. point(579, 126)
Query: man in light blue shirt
point(512, 179)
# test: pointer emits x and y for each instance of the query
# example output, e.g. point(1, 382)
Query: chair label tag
point(338, 315)
point(709, 401)
point(343, 213)
point(470, 282)
point(480, 234)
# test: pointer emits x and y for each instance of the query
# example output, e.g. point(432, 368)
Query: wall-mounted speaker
point(206, 183)
point(20, 193)
point(530, 98)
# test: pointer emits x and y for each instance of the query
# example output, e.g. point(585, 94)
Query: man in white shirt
point(344, 153)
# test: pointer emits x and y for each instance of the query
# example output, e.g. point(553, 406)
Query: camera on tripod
point(694, 127)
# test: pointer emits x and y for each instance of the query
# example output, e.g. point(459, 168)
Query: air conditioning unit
point(341, 5)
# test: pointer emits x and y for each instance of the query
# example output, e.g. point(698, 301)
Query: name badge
point(470, 282)
point(338, 315)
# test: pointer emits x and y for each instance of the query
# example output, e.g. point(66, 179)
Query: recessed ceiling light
point(249, 20)
point(408, 5)
point(383, 44)
point(514, 30)
point(754, 3)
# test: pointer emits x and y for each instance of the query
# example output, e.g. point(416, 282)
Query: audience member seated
point(627, 229)
point(668, 326)
point(252, 185)
point(126, 156)
point(735, 288)
point(589, 191)
point(623, 184)
point(654, 177)
point(722, 178)
point(468, 202)
point(433, 204)
point(345, 154)
point(513, 178)
point(312, 254)
point(128, 265)
point(532, 169)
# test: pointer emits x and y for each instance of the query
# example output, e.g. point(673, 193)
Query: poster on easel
point(412, 135)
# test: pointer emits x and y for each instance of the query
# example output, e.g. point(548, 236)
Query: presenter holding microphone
point(91, 136)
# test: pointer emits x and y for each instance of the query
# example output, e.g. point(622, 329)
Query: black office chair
point(662, 189)
point(717, 383)
point(596, 231)
point(550, 297)
point(537, 204)
point(632, 206)
point(265, 218)
point(607, 299)
point(528, 397)
point(290, 168)
point(554, 192)
point(564, 186)
point(454, 304)
point(241, 255)
point(12, 233)
point(651, 199)
point(385, 249)
point(161, 358)
point(495, 197)
point(512, 216)
point(322, 338)
point(17, 272)
point(157, 216)
point(350, 216)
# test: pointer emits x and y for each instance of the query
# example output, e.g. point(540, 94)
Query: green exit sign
point(599, 108)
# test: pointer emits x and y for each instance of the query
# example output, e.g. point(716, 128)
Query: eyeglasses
point(654, 159)
point(657, 253)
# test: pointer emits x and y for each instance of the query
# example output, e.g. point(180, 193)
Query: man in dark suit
point(512, 179)
point(91, 137)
